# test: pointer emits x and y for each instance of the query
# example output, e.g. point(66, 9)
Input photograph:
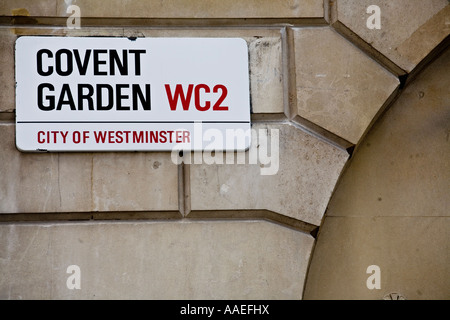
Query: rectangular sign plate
point(120, 94)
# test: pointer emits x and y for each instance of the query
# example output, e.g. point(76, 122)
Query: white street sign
point(120, 94)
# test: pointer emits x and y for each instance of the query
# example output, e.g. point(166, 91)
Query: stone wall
point(139, 226)
point(390, 208)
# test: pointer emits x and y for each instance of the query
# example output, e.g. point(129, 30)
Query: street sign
point(141, 94)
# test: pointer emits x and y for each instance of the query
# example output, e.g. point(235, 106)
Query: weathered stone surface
point(31, 182)
point(141, 181)
point(7, 39)
point(412, 253)
point(79, 182)
point(402, 166)
point(410, 29)
point(266, 75)
point(391, 207)
point(339, 88)
point(198, 8)
point(28, 8)
point(159, 260)
point(168, 9)
point(299, 186)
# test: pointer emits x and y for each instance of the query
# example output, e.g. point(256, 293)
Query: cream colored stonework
point(7, 39)
point(42, 182)
point(83, 182)
point(300, 188)
point(28, 8)
point(338, 87)
point(170, 8)
point(153, 260)
point(199, 9)
point(390, 208)
point(410, 29)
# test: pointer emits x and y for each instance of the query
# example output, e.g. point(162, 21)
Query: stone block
point(142, 181)
point(411, 252)
point(46, 182)
point(296, 182)
point(84, 182)
point(197, 9)
point(409, 29)
point(339, 88)
point(390, 208)
point(7, 88)
point(28, 8)
point(266, 75)
point(402, 167)
point(153, 260)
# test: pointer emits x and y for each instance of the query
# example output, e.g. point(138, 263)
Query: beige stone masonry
point(338, 87)
point(153, 260)
point(391, 206)
point(169, 9)
point(412, 253)
point(144, 181)
point(198, 8)
point(28, 8)
point(42, 182)
point(411, 143)
point(84, 182)
point(7, 101)
point(410, 29)
point(300, 189)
